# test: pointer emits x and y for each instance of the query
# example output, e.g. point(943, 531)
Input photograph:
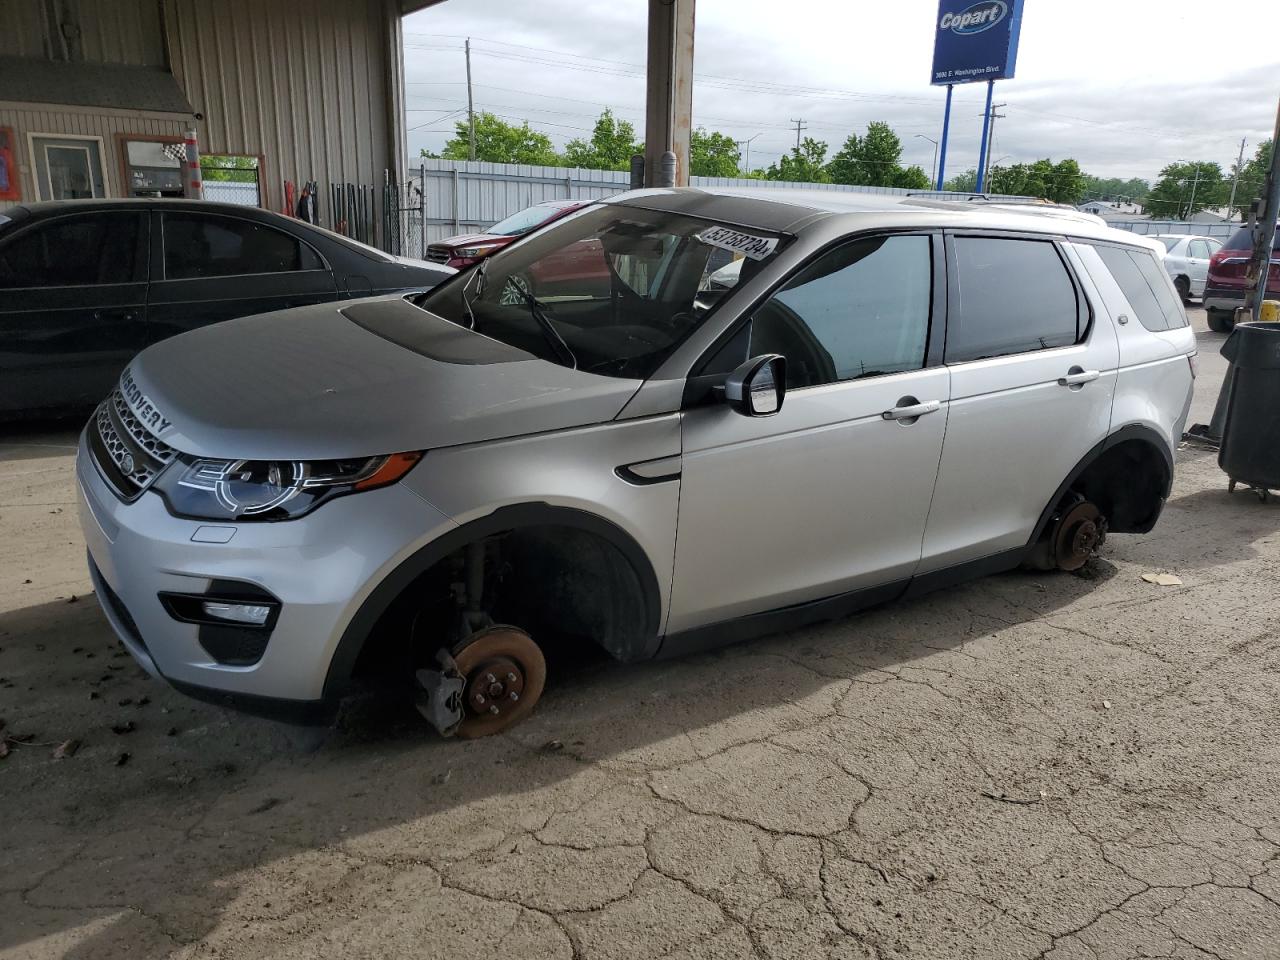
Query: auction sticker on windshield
point(757, 248)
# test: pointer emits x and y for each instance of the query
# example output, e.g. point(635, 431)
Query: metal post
point(942, 147)
point(669, 93)
point(995, 115)
point(471, 111)
point(1264, 231)
point(192, 185)
point(933, 171)
point(986, 131)
point(456, 226)
point(568, 186)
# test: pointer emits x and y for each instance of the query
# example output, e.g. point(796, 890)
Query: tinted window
point(521, 223)
point(73, 251)
point(1143, 284)
point(858, 311)
point(1013, 296)
point(199, 246)
point(1242, 240)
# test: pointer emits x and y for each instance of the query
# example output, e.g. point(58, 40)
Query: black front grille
point(127, 454)
point(438, 254)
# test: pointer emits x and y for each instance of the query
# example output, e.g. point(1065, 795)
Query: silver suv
point(671, 420)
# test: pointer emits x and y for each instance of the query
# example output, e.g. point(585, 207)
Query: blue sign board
point(975, 40)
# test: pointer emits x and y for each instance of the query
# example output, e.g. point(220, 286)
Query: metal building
point(95, 95)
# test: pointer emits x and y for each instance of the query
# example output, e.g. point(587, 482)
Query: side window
point(858, 311)
point(1199, 250)
point(197, 246)
point(92, 249)
point(1014, 296)
point(1143, 283)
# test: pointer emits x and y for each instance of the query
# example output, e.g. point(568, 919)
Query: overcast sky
point(1124, 86)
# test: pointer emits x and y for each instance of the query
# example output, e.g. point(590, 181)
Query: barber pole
point(192, 184)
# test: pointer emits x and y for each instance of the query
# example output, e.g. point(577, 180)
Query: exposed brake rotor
point(504, 673)
point(1080, 531)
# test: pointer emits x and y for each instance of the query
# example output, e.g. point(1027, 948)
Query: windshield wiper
point(545, 324)
point(477, 274)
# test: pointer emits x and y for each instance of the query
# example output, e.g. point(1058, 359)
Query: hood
point(365, 378)
point(472, 239)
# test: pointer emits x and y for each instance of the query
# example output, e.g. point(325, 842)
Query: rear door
point(1199, 251)
point(211, 267)
point(1033, 372)
point(73, 293)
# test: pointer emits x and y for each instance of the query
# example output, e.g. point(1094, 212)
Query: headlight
point(469, 252)
point(272, 489)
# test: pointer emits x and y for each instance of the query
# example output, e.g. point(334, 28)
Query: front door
point(1033, 374)
point(829, 495)
point(73, 293)
point(215, 267)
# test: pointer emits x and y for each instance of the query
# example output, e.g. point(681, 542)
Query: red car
point(1224, 289)
point(467, 248)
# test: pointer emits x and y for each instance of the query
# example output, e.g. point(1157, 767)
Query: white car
point(1186, 258)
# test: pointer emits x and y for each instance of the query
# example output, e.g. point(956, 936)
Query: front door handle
point(909, 409)
point(1077, 377)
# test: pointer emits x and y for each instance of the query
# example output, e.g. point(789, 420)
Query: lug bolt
point(514, 695)
point(511, 678)
point(479, 698)
point(493, 708)
point(491, 678)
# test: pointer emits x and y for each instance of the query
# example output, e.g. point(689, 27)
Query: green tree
point(229, 168)
point(1061, 182)
point(966, 182)
point(804, 164)
point(873, 160)
point(712, 154)
point(1252, 176)
point(1114, 189)
point(611, 145)
point(1185, 189)
point(500, 142)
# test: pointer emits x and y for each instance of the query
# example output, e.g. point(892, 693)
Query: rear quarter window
point(1146, 286)
point(1011, 296)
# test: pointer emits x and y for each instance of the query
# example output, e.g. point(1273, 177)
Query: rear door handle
point(913, 410)
point(1078, 377)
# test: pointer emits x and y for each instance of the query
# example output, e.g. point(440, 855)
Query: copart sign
point(975, 41)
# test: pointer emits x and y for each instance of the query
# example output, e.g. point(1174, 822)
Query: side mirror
point(757, 387)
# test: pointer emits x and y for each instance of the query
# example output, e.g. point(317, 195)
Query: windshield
point(521, 223)
point(611, 290)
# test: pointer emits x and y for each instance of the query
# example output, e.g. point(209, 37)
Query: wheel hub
point(494, 686)
point(1081, 531)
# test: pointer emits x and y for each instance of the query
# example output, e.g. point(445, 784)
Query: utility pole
point(1236, 182)
point(1191, 206)
point(1263, 225)
point(994, 117)
point(471, 111)
point(800, 126)
point(745, 145)
point(933, 175)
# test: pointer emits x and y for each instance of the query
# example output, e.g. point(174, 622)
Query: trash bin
point(1250, 451)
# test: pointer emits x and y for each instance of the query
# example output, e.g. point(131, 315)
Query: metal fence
point(467, 196)
point(231, 191)
point(1150, 227)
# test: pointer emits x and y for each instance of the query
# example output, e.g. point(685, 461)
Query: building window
point(68, 168)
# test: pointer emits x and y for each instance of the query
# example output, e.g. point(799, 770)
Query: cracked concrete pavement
point(1028, 766)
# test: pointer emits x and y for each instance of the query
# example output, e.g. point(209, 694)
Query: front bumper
point(319, 567)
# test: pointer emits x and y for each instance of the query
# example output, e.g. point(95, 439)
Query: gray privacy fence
point(467, 196)
point(1148, 227)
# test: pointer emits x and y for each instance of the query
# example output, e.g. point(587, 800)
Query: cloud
point(1117, 86)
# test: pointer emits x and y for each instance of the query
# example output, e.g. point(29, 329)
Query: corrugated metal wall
point(464, 196)
point(111, 31)
point(305, 85)
point(93, 123)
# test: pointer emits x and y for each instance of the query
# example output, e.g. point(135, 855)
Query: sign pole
point(942, 147)
point(986, 129)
